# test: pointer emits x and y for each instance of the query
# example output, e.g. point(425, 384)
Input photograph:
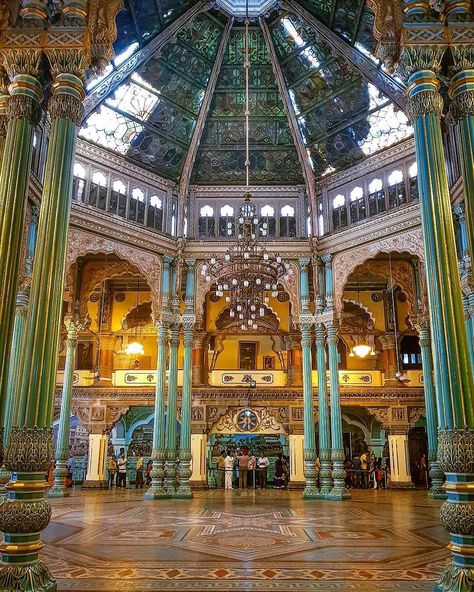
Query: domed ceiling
point(174, 98)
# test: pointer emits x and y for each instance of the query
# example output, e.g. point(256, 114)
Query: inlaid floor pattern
point(381, 541)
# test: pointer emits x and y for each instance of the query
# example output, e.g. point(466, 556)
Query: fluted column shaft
point(59, 489)
point(23, 68)
point(171, 414)
point(453, 371)
point(338, 491)
point(306, 320)
point(156, 489)
point(325, 482)
point(40, 351)
point(184, 471)
point(436, 490)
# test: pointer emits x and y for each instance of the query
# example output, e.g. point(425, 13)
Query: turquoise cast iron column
point(171, 414)
point(59, 489)
point(325, 483)
point(156, 490)
point(436, 491)
point(184, 470)
point(453, 371)
point(306, 322)
point(23, 68)
point(338, 491)
point(22, 299)
point(29, 453)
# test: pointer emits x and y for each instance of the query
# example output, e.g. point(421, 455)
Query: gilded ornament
point(103, 30)
point(30, 450)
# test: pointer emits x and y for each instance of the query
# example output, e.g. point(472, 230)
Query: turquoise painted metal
point(156, 490)
point(184, 470)
point(171, 414)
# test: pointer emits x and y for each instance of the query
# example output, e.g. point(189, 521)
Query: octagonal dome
point(239, 7)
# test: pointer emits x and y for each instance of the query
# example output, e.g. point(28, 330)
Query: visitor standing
point(122, 471)
point(112, 469)
point(356, 468)
point(251, 471)
point(139, 474)
point(220, 478)
point(243, 468)
point(229, 469)
point(373, 471)
point(149, 469)
point(262, 465)
point(422, 471)
point(278, 482)
point(71, 464)
point(363, 469)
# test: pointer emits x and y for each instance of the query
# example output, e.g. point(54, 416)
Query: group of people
point(250, 471)
point(366, 472)
point(117, 470)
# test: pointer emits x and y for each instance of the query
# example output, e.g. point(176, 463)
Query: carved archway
point(346, 262)
point(82, 243)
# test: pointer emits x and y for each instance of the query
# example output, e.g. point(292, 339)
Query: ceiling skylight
point(239, 7)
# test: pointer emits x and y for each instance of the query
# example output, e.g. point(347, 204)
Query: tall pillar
point(156, 490)
point(325, 482)
point(30, 452)
point(199, 370)
point(436, 491)
point(23, 68)
point(452, 366)
point(339, 490)
point(96, 477)
point(171, 414)
point(189, 318)
point(59, 489)
point(400, 473)
point(306, 321)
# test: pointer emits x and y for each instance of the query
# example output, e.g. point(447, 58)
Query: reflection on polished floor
point(275, 541)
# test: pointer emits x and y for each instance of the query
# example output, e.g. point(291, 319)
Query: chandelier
point(247, 273)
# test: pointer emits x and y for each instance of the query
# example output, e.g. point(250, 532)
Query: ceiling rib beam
point(385, 83)
point(115, 78)
point(300, 146)
point(201, 121)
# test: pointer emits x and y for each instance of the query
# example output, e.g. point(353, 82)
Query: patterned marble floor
point(275, 541)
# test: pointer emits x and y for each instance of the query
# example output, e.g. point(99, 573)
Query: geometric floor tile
point(383, 541)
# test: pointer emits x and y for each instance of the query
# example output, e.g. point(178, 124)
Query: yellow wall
point(229, 358)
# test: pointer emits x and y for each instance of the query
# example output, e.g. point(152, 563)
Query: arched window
point(136, 207)
point(339, 212)
point(155, 212)
point(410, 352)
point(118, 198)
point(207, 222)
point(357, 207)
point(226, 221)
point(396, 189)
point(287, 221)
point(376, 197)
point(78, 182)
point(413, 181)
point(98, 191)
point(267, 224)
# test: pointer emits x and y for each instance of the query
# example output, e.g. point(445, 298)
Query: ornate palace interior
point(227, 225)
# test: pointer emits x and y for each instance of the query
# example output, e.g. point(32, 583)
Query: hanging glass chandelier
point(247, 273)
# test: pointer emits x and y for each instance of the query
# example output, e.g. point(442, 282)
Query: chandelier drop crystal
point(247, 274)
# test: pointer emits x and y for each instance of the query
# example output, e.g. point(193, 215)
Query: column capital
point(461, 88)
point(167, 260)
point(332, 328)
point(23, 67)
point(74, 325)
point(174, 335)
point(303, 262)
point(327, 259)
point(162, 333)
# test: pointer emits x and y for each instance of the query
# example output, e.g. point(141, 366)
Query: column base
point(154, 493)
point(183, 492)
point(455, 579)
point(338, 494)
point(4, 479)
point(296, 485)
point(34, 577)
point(310, 492)
point(102, 484)
point(437, 493)
point(58, 490)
